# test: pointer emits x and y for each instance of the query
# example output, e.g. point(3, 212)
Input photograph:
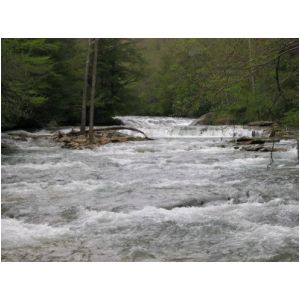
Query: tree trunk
point(277, 77)
point(85, 88)
point(251, 66)
point(92, 102)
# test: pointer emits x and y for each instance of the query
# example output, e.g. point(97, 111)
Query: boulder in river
point(206, 119)
point(257, 144)
point(261, 148)
point(251, 141)
point(262, 123)
point(251, 148)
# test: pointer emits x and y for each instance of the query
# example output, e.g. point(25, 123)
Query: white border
point(149, 18)
point(149, 281)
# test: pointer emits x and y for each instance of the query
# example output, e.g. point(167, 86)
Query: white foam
point(164, 127)
point(112, 196)
point(44, 166)
point(16, 233)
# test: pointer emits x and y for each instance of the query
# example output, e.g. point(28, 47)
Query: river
point(187, 195)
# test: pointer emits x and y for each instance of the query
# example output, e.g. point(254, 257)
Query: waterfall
point(168, 127)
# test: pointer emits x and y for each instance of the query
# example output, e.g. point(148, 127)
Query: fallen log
point(104, 135)
point(123, 128)
point(108, 128)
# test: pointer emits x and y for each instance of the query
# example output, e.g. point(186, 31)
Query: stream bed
point(187, 195)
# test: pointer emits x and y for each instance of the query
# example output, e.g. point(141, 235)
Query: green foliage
point(25, 70)
point(118, 66)
point(42, 80)
point(190, 77)
point(291, 118)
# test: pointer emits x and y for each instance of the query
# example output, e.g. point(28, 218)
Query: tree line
point(241, 80)
point(50, 82)
point(43, 80)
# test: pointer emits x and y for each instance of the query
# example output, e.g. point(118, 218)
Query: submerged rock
point(188, 203)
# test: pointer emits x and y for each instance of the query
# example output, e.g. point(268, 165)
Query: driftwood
point(102, 136)
point(122, 128)
point(108, 128)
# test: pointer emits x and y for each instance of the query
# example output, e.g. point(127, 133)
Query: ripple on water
point(177, 198)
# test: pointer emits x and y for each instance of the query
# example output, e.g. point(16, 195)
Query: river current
point(187, 195)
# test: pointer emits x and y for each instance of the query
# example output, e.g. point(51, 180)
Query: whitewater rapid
point(187, 195)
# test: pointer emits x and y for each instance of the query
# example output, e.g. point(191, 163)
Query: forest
point(239, 80)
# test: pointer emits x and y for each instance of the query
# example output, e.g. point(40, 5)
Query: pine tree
point(92, 102)
point(85, 89)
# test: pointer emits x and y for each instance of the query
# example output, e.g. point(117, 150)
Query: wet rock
point(116, 140)
point(269, 149)
point(256, 141)
point(233, 200)
point(251, 148)
point(188, 203)
point(243, 139)
point(118, 121)
point(262, 123)
point(260, 148)
point(249, 140)
point(206, 119)
point(70, 214)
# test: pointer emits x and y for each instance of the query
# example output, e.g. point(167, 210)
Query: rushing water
point(188, 195)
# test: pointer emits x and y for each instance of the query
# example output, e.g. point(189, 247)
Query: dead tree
point(85, 88)
point(108, 128)
point(92, 102)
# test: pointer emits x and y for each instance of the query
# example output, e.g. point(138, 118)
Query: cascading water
point(187, 195)
point(159, 127)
